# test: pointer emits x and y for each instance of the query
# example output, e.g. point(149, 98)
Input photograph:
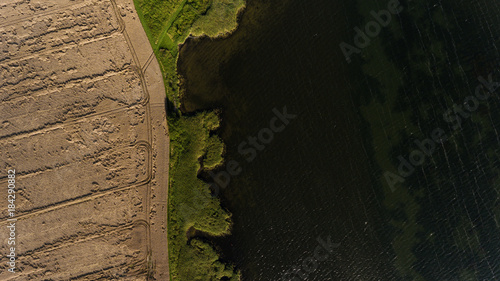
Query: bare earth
point(83, 124)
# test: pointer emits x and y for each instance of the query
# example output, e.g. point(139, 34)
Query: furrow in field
point(19, 78)
point(56, 31)
point(112, 171)
point(42, 150)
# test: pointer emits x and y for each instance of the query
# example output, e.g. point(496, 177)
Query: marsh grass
point(193, 144)
point(191, 205)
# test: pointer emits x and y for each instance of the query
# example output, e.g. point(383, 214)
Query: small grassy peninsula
point(194, 147)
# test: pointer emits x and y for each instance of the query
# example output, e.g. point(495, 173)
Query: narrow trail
point(150, 73)
point(167, 26)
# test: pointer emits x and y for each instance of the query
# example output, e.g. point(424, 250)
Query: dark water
point(322, 177)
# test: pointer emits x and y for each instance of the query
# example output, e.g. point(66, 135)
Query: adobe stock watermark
point(11, 208)
point(310, 264)
point(249, 150)
point(453, 116)
point(372, 29)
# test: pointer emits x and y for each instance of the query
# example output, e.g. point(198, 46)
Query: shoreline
point(191, 209)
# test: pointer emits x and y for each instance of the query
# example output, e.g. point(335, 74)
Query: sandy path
point(160, 141)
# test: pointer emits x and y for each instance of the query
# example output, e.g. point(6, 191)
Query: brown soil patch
point(83, 123)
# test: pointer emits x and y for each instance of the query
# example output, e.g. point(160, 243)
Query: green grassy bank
point(192, 209)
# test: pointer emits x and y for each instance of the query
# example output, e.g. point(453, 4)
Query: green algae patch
point(194, 213)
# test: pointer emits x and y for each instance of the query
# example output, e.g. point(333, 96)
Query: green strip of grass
point(192, 209)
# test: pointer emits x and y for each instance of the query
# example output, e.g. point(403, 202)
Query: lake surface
point(406, 101)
